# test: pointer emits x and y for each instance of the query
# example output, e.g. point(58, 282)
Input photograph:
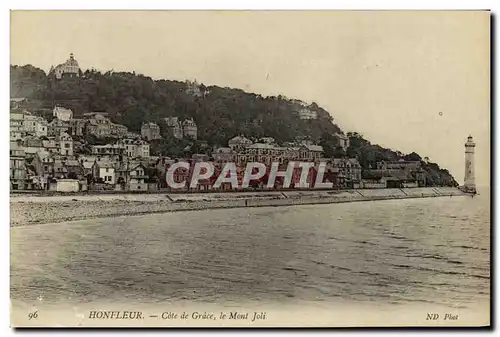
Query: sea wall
point(32, 209)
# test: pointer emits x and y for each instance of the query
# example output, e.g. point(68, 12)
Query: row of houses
point(106, 172)
point(241, 150)
point(37, 171)
point(24, 123)
point(240, 142)
point(395, 174)
point(267, 154)
point(133, 148)
point(348, 171)
point(98, 124)
point(44, 152)
point(111, 170)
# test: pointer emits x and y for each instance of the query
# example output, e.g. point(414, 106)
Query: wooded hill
point(220, 113)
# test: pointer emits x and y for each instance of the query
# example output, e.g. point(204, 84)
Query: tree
point(412, 157)
point(339, 152)
point(329, 144)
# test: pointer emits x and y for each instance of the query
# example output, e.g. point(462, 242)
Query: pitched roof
point(262, 146)
point(223, 150)
point(318, 148)
point(106, 164)
point(72, 162)
point(136, 165)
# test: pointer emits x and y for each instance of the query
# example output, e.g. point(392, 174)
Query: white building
point(65, 143)
point(137, 178)
point(35, 125)
point(469, 178)
point(108, 150)
point(223, 155)
point(87, 167)
point(129, 146)
point(56, 126)
point(306, 113)
point(267, 140)
point(67, 185)
point(268, 153)
point(343, 141)
point(142, 149)
point(15, 103)
point(69, 68)
point(42, 128)
point(150, 131)
point(104, 170)
point(30, 122)
point(16, 125)
point(51, 145)
point(44, 163)
point(135, 148)
point(32, 145)
point(193, 88)
point(132, 135)
point(186, 128)
point(17, 166)
point(62, 113)
point(118, 130)
point(348, 169)
point(98, 124)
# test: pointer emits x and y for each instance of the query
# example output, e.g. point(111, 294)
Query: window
point(107, 169)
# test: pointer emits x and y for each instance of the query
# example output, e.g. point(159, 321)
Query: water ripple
point(429, 251)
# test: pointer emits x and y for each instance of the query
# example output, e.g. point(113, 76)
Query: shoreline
point(35, 209)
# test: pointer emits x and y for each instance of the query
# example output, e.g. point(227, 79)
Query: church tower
point(469, 180)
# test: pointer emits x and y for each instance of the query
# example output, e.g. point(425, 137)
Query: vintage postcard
point(250, 169)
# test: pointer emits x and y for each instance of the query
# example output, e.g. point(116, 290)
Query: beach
point(37, 209)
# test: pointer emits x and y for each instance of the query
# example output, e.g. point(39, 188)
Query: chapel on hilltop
point(69, 68)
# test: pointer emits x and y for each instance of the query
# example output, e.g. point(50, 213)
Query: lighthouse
point(469, 181)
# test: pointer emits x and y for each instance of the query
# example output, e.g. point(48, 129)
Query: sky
point(410, 81)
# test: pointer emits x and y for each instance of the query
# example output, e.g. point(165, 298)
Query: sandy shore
point(36, 209)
